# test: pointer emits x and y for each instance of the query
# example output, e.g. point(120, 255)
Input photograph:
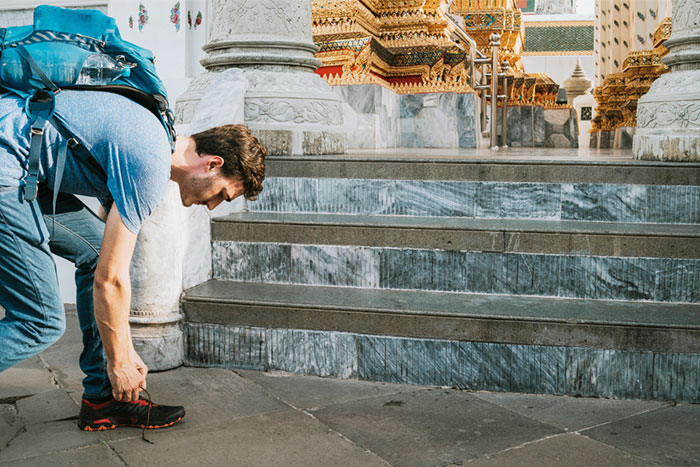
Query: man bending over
point(130, 171)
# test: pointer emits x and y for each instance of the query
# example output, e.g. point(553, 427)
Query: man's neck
point(179, 162)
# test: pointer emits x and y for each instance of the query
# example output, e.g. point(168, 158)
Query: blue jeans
point(34, 314)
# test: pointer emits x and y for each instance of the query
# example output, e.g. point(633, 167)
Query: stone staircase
point(553, 277)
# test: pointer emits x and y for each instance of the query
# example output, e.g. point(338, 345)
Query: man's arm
point(112, 298)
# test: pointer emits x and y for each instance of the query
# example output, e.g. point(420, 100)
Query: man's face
point(210, 189)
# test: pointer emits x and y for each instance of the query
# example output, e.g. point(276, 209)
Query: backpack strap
point(78, 150)
point(36, 68)
point(40, 108)
point(58, 177)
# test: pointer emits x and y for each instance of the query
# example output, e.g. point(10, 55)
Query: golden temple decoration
point(481, 18)
point(617, 97)
point(408, 45)
point(661, 33)
point(405, 45)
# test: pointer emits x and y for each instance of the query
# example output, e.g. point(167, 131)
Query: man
point(130, 145)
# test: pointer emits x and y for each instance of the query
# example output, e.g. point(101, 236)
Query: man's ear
point(214, 162)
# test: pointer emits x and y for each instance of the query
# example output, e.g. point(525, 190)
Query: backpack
point(74, 49)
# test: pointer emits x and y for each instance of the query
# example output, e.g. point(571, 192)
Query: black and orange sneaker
point(112, 414)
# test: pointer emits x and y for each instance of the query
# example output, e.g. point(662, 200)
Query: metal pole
point(484, 110)
point(495, 43)
point(504, 128)
point(472, 67)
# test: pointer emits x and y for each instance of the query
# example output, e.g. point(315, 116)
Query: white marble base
point(370, 116)
point(376, 117)
point(439, 120)
point(159, 346)
point(668, 116)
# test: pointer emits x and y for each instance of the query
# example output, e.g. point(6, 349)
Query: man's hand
point(127, 380)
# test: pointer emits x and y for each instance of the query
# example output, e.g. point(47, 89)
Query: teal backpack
point(74, 49)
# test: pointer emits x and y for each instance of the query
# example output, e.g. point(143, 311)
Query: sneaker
point(112, 414)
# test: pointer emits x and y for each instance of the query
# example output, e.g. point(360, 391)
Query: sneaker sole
point(112, 427)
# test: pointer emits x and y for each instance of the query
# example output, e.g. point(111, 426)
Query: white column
point(156, 278)
point(668, 116)
point(157, 266)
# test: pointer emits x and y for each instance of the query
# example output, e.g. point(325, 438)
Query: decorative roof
point(558, 38)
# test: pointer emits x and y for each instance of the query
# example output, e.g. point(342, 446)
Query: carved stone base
point(160, 347)
point(294, 113)
point(668, 119)
point(668, 116)
point(296, 142)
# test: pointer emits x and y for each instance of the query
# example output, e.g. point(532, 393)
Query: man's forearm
point(112, 301)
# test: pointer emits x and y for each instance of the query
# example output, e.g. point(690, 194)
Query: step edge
point(437, 314)
point(226, 220)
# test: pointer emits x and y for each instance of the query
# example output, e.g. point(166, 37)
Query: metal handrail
point(476, 57)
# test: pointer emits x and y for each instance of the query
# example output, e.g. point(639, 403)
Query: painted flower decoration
point(131, 22)
point(189, 19)
point(175, 16)
point(198, 20)
point(143, 16)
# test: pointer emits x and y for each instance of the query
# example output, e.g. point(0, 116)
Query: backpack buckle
point(36, 131)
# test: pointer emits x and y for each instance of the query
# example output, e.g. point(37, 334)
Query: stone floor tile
point(313, 392)
point(209, 395)
point(91, 456)
point(24, 379)
point(46, 407)
point(569, 413)
point(570, 450)
point(289, 438)
point(669, 436)
point(45, 438)
point(431, 427)
point(9, 424)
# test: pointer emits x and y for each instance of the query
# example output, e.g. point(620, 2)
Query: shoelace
point(148, 418)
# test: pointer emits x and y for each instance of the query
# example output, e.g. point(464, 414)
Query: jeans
point(34, 314)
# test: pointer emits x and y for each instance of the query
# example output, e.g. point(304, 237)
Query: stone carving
point(684, 82)
point(277, 110)
point(669, 115)
point(282, 82)
point(258, 16)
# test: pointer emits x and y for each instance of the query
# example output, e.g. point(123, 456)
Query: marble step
point(563, 275)
point(493, 168)
point(485, 199)
point(463, 234)
point(480, 342)
point(490, 318)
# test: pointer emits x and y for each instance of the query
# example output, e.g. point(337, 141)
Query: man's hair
point(243, 155)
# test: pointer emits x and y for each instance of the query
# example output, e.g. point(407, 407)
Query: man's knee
point(46, 332)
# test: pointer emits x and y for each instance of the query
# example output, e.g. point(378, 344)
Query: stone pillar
point(156, 278)
point(668, 116)
point(291, 109)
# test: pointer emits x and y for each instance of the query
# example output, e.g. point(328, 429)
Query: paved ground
point(244, 418)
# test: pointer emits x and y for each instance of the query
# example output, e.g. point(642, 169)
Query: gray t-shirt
point(126, 139)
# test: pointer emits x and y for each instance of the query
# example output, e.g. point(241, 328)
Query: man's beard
point(191, 191)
